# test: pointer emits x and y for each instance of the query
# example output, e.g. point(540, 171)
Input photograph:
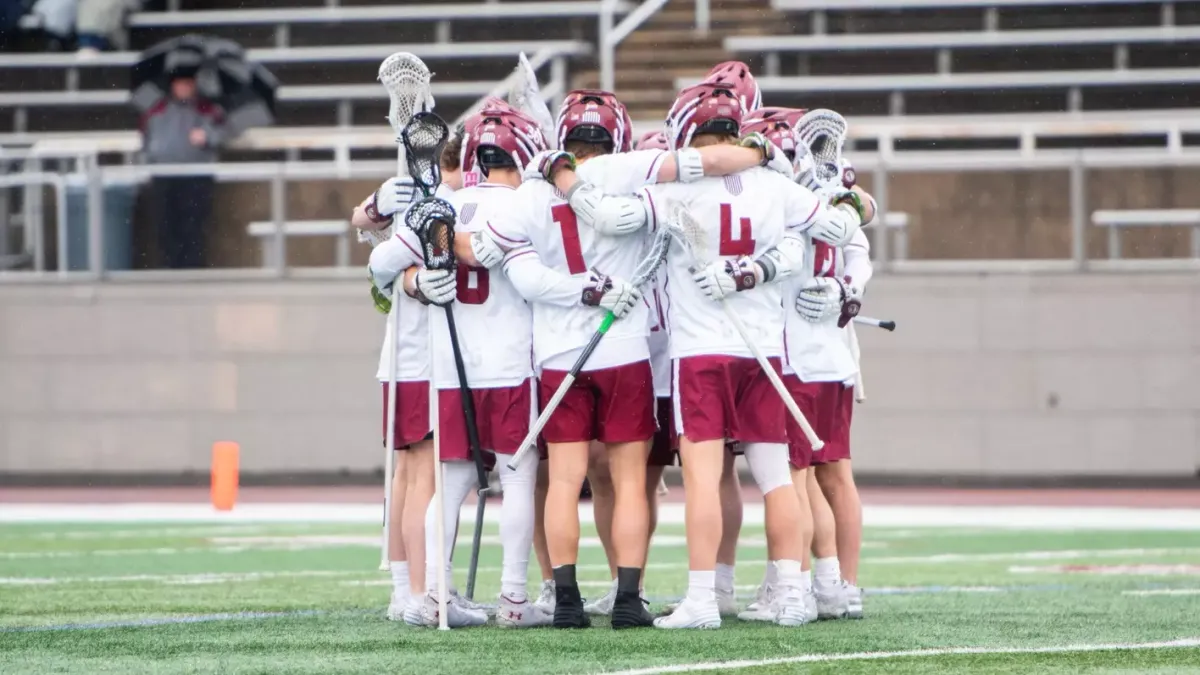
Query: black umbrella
point(246, 91)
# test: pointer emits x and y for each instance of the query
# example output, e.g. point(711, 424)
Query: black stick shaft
point(476, 544)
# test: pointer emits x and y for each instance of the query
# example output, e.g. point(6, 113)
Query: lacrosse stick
point(860, 390)
point(688, 233)
point(424, 137)
point(889, 326)
point(823, 133)
point(644, 272)
point(389, 462)
point(526, 96)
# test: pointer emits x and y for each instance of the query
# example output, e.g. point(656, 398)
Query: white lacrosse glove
point(823, 298)
point(487, 253)
point(615, 295)
point(722, 278)
point(545, 164)
point(773, 158)
point(435, 287)
point(394, 196)
point(374, 237)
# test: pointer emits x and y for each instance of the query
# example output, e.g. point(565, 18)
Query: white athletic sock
point(702, 585)
point(827, 571)
point(457, 480)
point(771, 576)
point(808, 581)
point(516, 524)
point(399, 577)
point(790, 574)
point(724, 577)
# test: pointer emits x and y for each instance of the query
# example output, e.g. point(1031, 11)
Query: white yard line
point(176, 579)
point(973, 517)
point(1163, 591)
point(915, 653)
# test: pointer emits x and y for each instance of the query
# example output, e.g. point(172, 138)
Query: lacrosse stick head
point(823, 133)
point(433, 222)
point(684, 229)
point(705, 108)
point(424, 138)
point(744, 85)
point(594, 116)
point(406, 79)
point(653, 140)
point(655, 256)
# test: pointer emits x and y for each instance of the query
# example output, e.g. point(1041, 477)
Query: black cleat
point(568, 608)
point(629, 611)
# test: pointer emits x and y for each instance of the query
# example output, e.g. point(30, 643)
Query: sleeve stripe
point(409, 247)
point(653, 211)
point(816, 207)
point(508, 239)
point(655, 166)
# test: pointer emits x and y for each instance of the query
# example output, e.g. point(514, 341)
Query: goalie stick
point(686, 231)
point(433, 220)
point(406, 79)
point(642, 274)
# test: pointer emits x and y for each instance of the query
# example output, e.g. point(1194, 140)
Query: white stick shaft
point(776, 381)
point(439, 509)
point(530, 441)
point(389, 460)
point(868, 321)
point(860, 390)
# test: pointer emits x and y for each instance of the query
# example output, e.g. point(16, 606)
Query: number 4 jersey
point(493, 321)
point(541, 217)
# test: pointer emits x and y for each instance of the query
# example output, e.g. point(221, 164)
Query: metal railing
point(612, 36)
point(278, 174)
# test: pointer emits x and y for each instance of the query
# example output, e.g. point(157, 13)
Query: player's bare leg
point(731, 530)
point(545, 601)
point(568, 468)
point(419, 494)
point(630, 529)
point(603, 503)
point(702, 467)
point(761, 609)
point(837, 483)
point(827, 574)
point(397, 558)
point(769, 466)
point(654, 475)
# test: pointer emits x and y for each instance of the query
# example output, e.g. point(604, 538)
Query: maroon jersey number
point(473, 285)
point(565, 217)
point(743, 243)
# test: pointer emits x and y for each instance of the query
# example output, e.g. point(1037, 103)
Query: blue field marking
point(162, 621)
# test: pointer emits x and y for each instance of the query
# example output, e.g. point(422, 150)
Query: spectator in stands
point(56, 18)
point(100, 24)
point(182, 129)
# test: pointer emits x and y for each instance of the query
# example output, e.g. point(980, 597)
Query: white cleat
point(692, 614)
point(523, 614)
point(726, 601)
point(831, 601)
point(456, 616)
point(395, 610)
point(761, 609)
point(413, 610)
point(603, 605)
point(853, 599)
point(793, 607)
point(545, 601)
point(464, 603)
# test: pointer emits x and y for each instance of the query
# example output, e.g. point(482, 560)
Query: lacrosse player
point(720, 392)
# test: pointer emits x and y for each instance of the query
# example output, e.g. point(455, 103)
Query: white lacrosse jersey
point(743, 214)
point(493, 322)
point(541, 217)
point(388, 260)
point(817, 352)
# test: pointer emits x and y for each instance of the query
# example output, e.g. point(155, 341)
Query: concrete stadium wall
point(989, 376)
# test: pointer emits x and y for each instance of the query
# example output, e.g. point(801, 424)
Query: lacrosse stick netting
point(433, 222)
point(406, 79)
point(423, 139)
point(823, 133)
point(688, 232)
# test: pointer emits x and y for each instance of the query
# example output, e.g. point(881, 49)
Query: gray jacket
point(166, 128)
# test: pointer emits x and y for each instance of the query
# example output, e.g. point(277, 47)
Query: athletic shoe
point(629, 611)
point(413, 614)
point(726, 600)
point(488, 610)
point(456, 616)
point(603, 606)
point(692, 614)
point(762, 608)
point(568, 608)
point(831, 601)
point(523, 614)
point(792, 606)
point(854, 600)
point(395, 610)
point(545, 600)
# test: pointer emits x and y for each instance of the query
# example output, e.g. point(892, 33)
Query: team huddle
point(684, 299)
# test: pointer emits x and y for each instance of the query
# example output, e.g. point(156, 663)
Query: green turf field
point(200, 598)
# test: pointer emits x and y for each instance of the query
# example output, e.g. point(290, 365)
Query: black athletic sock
point(564, 576)
point(628, 579)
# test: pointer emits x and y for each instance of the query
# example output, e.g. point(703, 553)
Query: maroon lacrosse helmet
point(744, 85)
point(777, 124)
point(653, 140)
point(500, 136)
point(705, 108)
point(594, 116)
